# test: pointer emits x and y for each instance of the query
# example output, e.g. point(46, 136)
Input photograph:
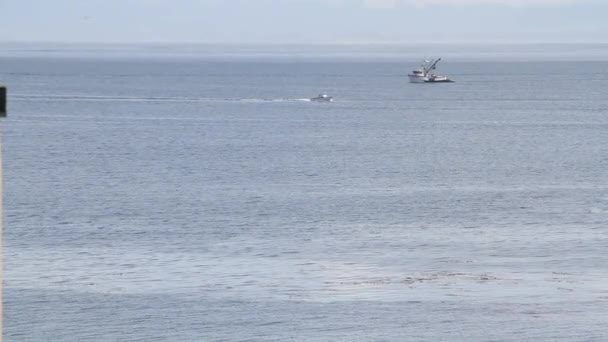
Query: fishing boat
point(424, 74)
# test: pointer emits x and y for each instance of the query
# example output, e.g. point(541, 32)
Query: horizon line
point(303, 44)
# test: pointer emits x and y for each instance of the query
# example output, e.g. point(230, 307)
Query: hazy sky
point(304, 21)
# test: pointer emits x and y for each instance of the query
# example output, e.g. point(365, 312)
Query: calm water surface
point(183, 199)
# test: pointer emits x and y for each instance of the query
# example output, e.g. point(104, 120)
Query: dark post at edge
point(2, 101)
point(2, 114)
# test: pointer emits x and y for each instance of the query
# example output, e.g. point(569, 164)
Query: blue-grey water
point(177, 198)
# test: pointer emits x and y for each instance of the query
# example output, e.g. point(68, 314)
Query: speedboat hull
point(322, 98)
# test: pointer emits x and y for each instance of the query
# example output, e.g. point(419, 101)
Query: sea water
point(200, 196)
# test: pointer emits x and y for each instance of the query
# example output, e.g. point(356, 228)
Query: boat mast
point(432, 66)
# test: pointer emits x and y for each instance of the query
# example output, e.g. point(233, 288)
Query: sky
point(304, 21)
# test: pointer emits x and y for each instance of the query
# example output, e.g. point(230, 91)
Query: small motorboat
point(423, 74)
point(322, 98)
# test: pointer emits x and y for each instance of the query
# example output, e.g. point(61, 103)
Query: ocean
point(196, 194)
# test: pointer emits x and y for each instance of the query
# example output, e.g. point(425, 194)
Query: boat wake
point(184, 99)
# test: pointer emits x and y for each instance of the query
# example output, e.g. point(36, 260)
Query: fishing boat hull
point(417, 78)
point(438, 79)
point(442, 81)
